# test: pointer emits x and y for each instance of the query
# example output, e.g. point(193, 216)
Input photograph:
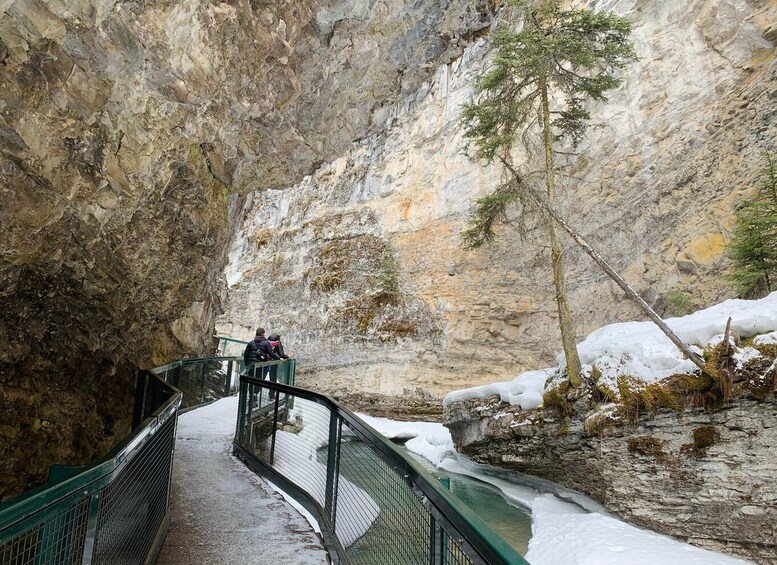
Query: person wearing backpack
point(258, 350)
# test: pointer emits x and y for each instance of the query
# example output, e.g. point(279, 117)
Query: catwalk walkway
point(221, 511)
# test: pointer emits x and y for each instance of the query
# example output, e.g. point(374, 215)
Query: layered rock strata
point(128, 132)
point(703, 477)
point(361, 264)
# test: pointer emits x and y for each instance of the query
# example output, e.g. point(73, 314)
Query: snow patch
point(571, 531)
point(742, 356)
point(642, 351)
point(525, 391)
point(766, 339)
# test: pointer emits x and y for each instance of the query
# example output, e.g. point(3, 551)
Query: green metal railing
point(202, 380)
point(375, 506)
point(116, 511)
point(112, 512)
point(230, 346)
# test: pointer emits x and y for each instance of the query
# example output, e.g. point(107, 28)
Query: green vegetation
point(681, 303)
point(569, 55)
point(753, 245)
point(703, 438)
point(388, 279)
point(557, 398)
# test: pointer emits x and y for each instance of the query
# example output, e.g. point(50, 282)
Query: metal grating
point(374, 505)
point(133, 506)
point(452, 552)
point(59, 539)
point(400, 533)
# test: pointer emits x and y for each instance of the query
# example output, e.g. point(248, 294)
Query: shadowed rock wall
point(128, 133)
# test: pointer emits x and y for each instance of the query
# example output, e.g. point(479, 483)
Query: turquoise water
point(505, 517)
point(401, 516)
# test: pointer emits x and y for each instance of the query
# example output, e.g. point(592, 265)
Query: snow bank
point(562, 537)
point(563, 533)
point(430, 440)
point(641, 350)
point(525, 391)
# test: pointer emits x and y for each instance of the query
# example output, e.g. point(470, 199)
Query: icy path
point(222, 512)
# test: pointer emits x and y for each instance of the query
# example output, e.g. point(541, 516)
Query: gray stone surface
point(224, 514)
point(654, 187)
point(722, 498)
point(128, 133)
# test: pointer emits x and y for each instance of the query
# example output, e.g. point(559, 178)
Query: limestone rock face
point(654, 187)
point(705, 478)
point(128, 133)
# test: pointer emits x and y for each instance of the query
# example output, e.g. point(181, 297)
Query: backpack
point(261, 356)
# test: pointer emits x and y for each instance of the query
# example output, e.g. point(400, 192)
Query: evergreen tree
point(753, 245)
point(570, 54)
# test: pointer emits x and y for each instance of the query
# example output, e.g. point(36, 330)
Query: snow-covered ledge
point(632, 437)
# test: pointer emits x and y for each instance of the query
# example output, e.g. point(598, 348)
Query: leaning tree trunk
point(620, 281)
point(565, 323)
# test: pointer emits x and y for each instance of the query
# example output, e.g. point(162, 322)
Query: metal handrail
point(443, 505)
point(26, 515)
point(221, 337)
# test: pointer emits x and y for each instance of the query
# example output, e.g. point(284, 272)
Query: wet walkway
point(222, 512)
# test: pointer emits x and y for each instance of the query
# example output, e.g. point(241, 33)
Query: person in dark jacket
point(258, 350)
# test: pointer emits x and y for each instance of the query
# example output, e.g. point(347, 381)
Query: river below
point(506, 517)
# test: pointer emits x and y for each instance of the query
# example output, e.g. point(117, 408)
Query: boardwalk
point(222, 512)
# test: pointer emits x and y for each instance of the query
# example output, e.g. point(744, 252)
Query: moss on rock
point(647, 445)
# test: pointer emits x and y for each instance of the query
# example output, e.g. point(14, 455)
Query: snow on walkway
point(222, 513)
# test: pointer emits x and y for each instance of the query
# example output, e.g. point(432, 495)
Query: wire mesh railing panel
point(59, 539)
point(133, 506)
point(203, 380)
point(281, 372)
point(285, 433)
point(379, 520)
point(375, 506)
point(453, 553)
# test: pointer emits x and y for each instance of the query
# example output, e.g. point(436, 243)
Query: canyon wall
point(129, 134)
point(703, 477)
point(361, 264)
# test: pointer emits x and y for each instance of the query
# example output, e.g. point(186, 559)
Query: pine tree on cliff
point(753, 245)
point(540, 80)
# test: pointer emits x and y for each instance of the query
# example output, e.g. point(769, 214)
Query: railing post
point(228, 386)
point(241, 410)
point(274, 428)
point(332, 462)
point(202, 381)
point(249, 425)
point(140, 398)
point(91, 529)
